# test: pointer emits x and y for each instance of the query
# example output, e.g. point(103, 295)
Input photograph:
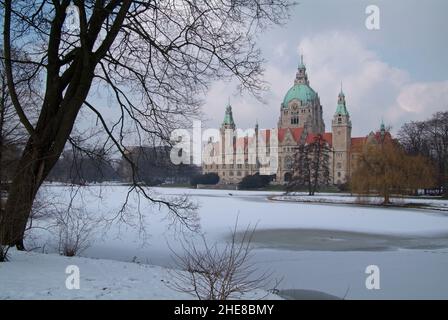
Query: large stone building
point(301, 119)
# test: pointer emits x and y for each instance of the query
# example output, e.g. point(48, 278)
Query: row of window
point(297, 112)
point(237, 173)
point(231, 166)
point(339, 155)
point(245, 173)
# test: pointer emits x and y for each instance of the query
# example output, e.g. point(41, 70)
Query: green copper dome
point(301, 92)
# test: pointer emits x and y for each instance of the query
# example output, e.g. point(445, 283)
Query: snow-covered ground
point(44, 276)
point(422, 203)
point(326, 247)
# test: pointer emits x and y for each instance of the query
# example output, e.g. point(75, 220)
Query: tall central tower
point(301, 106)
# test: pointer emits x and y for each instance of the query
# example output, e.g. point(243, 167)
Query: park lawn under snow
point(43, 276)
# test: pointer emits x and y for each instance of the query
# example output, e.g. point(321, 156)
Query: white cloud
point(374, 89)
point(246, 109)
point(370, 85)
point(424, 98)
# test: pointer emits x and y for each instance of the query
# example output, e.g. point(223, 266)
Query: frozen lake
point(311, 246)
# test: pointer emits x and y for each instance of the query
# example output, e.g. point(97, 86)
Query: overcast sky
point(398, 73)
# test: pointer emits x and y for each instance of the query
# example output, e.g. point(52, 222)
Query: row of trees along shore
point(429, 138)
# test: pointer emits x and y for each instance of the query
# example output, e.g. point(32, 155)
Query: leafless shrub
point(75, 228)
point(211, 272)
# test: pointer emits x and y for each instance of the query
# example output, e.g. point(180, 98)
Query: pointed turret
point(341, 109)
point(301, 75)
point(382, 127)
point(228, 122)
point(382, 130)
point(301, 64)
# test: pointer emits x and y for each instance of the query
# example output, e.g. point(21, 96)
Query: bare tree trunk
point(21, 195)
point(2, 117)
point(34, 165)
point(317, 164)
point(386, 198)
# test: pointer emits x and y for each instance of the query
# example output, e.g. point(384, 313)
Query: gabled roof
point(327, 137)
point(296, 133)
point(356, 143)
point(377, 137)
point(380, 136)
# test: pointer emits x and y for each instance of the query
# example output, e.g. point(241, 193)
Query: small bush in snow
point(211, 272)
point(74, 228)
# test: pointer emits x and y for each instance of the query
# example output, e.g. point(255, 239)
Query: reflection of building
point(301, 119)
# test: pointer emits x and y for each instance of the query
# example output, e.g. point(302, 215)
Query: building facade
point(300, 121)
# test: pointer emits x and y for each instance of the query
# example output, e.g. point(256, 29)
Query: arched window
point(295, 120)
point(288, 163)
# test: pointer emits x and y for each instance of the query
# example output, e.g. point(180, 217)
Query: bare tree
point(154, 57)
point(311, 168)
point(211, 272)
point(412, 137)
point(429, 138)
